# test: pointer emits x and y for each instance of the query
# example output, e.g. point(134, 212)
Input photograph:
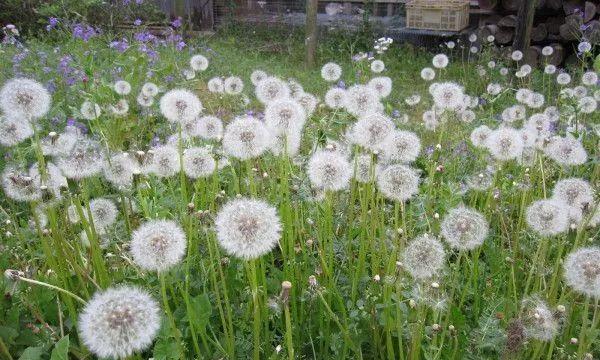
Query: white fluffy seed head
point(54, 181)
point(19, 186)
point(246, 138)
point(24, 97)
point(119, 321)
point(150, 89)
point(119, 170)
point(335, 98)
point(216, 85)
point(331, 72)
point(424, 257)
point(361, 100)
point(582, 271)
point(198, 162)
point(505, 143)
point(547, 217)
point(589, 78)
point(270, 89)
point(209, 128)
point(90, 110)
point(382, 85)
point(329, 170)
point(248, 228)
point(164, 161)
point(427, 74)
point(364, 168)
point(14, 130)
point(377, 66)
point(257, 76)
point(199, 63)
point(398, 182)
point(538, 320)
point(440, 61)
point(464, 228)
point(285, 116)
point(448, 95)
point(121, 108)
point(574, 192)
point(566, 151)
point(158, 245)
point(84, 160)
point(371, 130)
point(179, 105)
point(122, 87)
point(480, 136)
point(401, 146)
point(233, 85)
point(308, 101)
point(286, 144)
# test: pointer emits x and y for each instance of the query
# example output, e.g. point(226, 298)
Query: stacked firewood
point(557, 23)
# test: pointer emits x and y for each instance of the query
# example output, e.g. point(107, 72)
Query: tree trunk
point(524, 25)
point(311, 31)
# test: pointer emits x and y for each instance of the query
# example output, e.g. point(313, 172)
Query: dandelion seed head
point(308, 101)
point(398, 182)
point(574, 192)
point(216, 85)
point(363, 166)
point(248, 228)
point(179, 105)
point(335, 98)
point(198, 162)
point(377, 66)
point(121, 108)
point(448, 95)
point(26, 98)
point(283, 116)
point(401, 146)
point(382, 85)
point(270, 89)
point(538, 320)
point(246, 138)
point(257, 76)
point(589, 78)
point(19, 186)
point(14, 130)
point(587, 105)
point(84, 160)
point(329, 170)
point(209, 128)
point(361, 100)
point(480, 136)
point(122, 87)
point(331, 72)
point(424, 257)
point(440, 61)
point(427, 74)
point(563, 79)
point(464, 228)
point(119, 321)
point(233, 85)
point(158, 245)
point(566, 151)
point(505, 143)
point(53, 181)
point(371, 130)
point(582, 271)
point(150, 89)
point(164, 161)
point(547, 217)
point(119, 170)
point(287, 143)
point(90, 110)
point(199, 63)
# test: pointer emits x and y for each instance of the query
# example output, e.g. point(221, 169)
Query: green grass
point(361, 304)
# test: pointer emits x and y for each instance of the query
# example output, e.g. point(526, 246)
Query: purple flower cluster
point(84, 32)
point(52, 23)
point(120, 45)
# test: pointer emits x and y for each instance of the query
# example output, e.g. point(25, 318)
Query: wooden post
point(524, 25)
point(311, 31)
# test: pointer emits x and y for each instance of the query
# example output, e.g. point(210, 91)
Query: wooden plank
point(524, 25)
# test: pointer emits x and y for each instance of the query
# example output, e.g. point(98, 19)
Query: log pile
point(557, 23)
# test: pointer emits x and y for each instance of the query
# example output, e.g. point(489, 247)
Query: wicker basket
point(446, 15)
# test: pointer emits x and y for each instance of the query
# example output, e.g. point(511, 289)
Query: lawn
point(363, 210)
